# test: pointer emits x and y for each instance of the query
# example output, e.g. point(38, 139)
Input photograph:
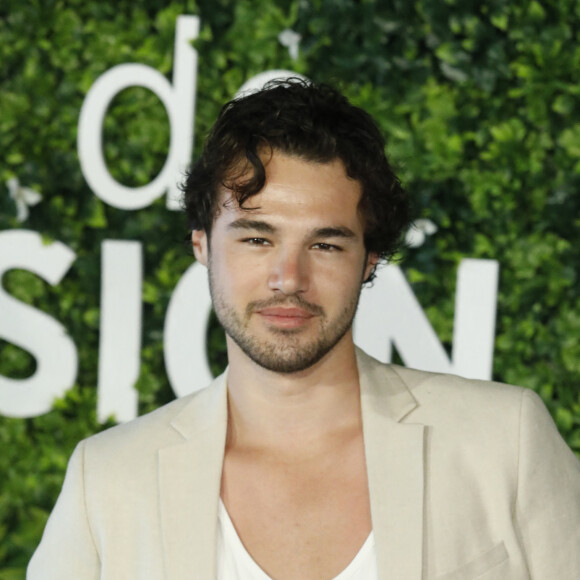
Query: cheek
point(239, 276)
point(346, 271)
point(336, 283)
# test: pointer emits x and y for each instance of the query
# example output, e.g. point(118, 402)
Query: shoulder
point(170, 424)
point(450, 404)
point(154, 425)
point(494, 418)
point(430, 393)
point(442, 389)
point(447, 389)
point(488, 410)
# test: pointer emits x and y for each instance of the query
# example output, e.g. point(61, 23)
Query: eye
point(256, 241)
point(326, 247)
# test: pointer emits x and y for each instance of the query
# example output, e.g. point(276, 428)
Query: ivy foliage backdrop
point(480, 103)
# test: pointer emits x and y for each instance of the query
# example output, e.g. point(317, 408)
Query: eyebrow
point(255, 225)
point(266, 228)
point(334, 232)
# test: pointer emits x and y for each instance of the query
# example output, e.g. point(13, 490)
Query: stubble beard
point(286, 351)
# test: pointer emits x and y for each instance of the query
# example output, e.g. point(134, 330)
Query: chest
point(299, 519)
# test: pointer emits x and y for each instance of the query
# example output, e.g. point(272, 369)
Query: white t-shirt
point(235, 563)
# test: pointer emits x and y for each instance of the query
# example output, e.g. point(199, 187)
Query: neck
point(293, 411)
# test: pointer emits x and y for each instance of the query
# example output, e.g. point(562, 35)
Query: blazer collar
point(189, 485)
point(395, 468)
point(190, 476)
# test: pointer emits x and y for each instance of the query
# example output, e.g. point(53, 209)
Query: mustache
point(294, 300)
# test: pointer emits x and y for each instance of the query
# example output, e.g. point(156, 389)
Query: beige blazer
point(467, 480)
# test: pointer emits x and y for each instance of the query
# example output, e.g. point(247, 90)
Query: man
point(308, 459)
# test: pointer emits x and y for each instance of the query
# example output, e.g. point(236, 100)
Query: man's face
point(285, 278)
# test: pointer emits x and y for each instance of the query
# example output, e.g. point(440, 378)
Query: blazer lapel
point(189, 484)
point(395, 467)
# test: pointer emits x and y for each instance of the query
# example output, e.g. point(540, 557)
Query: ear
point(200, 243)
point(372, 261)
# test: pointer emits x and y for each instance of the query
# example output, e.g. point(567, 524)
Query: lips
point(285, 312)
point(289, 317)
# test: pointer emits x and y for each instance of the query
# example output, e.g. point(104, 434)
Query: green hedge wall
point(480, 103)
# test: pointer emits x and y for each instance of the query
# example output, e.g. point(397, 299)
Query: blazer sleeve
point(67, 548)
point(548, 496)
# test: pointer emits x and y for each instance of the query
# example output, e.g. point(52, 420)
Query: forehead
point(300, 191)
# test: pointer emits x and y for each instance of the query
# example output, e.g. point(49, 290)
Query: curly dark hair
point(310, 121)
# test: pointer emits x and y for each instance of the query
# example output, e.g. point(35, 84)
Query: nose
point(289, 272)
